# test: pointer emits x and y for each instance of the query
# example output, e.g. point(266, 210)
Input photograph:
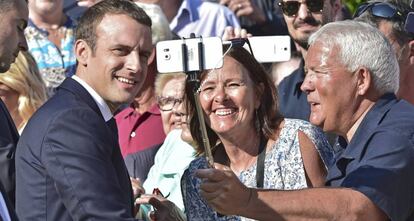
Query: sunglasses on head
point(379, 9)
point(291, 8)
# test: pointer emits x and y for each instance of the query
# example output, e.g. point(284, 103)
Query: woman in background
point(22, 89)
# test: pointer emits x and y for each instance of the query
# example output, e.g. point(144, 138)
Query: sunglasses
point(291, 8)
point(379, 9)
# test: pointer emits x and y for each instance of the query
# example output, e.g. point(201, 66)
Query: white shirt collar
point(103, 107)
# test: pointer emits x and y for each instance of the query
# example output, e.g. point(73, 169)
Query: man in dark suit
point(13, 20)
point(68, 162)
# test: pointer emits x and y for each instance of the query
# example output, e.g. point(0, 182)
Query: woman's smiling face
point(228, 98)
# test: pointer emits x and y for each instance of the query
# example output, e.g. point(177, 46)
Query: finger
point(243, 34)
point(143, 199)
point(156, 203)
point(210, 186)
point(228, 33)
point(220, 166)
point(210, 196)
point(213, 175)
point(237, 32)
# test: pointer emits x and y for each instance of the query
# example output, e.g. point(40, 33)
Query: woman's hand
point(223, 190)
point(164, 209)
point(231, 33)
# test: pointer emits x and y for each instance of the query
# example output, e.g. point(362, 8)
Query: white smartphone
point(270, 48)
point(170, 54)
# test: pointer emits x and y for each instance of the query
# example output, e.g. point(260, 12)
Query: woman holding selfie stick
point(248, 135)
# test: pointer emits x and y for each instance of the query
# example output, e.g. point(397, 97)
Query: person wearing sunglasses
point(303, 18)
point(389, 17)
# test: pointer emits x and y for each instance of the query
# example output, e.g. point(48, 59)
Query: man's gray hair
point(361, 45)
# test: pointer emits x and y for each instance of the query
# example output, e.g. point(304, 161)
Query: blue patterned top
point(54, 64)
point(283, 169)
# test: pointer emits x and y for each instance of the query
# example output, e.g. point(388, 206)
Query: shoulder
point(295, 125)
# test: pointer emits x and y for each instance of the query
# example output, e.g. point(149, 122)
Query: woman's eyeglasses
point(379, 9)
point(291, 8)
point(168, 103)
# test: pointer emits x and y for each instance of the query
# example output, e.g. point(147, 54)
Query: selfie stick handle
point(194, 82)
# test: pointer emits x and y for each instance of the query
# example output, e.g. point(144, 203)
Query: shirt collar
point(368, 124)
point(103, 107)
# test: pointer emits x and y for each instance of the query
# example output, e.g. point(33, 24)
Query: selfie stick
point(194, 83)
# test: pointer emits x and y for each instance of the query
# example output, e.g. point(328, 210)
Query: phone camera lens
point(167, 56)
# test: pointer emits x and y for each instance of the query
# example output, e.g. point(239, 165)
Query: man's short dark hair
point(86, 29)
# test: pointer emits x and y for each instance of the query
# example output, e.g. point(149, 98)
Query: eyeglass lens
point(291, 8)
point(167, 103)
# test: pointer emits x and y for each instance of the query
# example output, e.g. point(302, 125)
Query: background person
point(169, 89)
point(200, 17)
point(51, 36)
point(13, 21)
point(22, 89)
point(249, 136)
point(389, 17)
point(172, 158)
point(302, 18)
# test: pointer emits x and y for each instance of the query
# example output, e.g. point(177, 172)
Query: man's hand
point(223, 190)
point(245, 8)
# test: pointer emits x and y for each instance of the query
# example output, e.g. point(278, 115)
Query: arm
point(312, 163)
point(224, 192)
point(81, 157)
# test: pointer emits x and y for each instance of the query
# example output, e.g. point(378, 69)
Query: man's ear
point(82, 52)
point(411, 51)
point(151, 57)
point(336, 7)
point(364, 80)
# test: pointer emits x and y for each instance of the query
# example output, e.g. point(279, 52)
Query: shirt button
point(133, 134)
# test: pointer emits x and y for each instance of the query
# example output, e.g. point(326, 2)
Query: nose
point(178, 108)
point(133, 63)
point(303, 11)
point(307, 85)
point(220, 94)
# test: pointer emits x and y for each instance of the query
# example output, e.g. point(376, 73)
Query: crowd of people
point(89, 130)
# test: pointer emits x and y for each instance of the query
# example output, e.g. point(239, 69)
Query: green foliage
point(352, 5)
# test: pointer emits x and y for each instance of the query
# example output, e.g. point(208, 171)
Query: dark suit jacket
point(68, 163)
point(140, 163)
point(8, 140)
point(9, 204)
